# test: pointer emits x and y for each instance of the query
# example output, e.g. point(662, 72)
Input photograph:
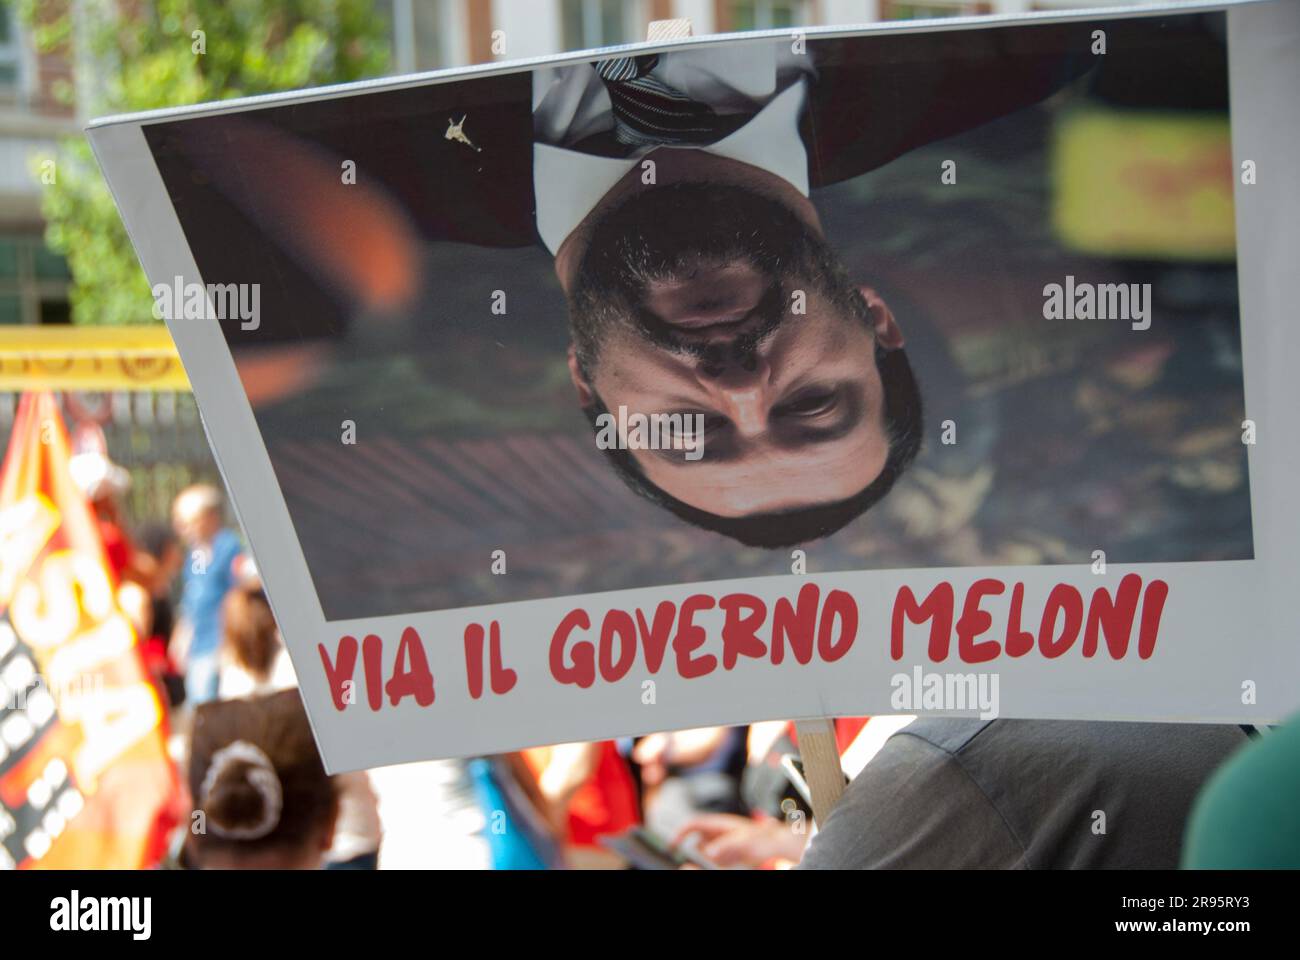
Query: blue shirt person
point(209, 574)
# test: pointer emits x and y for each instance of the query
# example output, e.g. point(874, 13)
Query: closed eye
point(811, 402)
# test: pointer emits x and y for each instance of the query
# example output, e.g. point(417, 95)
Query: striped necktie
point(648, 112)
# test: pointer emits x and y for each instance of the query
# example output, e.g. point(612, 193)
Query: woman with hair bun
point(262, 799)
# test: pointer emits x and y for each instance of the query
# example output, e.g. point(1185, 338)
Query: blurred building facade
point(33, 117)
point(155, 435)
point(433, 34)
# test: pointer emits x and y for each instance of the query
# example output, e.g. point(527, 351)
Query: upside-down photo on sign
point(805, 374)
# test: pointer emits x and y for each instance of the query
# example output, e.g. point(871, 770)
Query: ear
point(586, 395)
point(888, 334)
point(568, 256)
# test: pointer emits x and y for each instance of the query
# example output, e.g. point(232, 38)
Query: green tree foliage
point(148, 54)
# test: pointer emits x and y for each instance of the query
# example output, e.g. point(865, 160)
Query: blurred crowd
point(210, 639)
point(931, 792)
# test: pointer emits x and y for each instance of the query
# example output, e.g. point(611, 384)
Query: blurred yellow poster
point(84, 775)
point(89, 358)
point(1142, 185)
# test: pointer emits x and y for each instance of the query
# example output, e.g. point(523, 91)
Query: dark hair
point(792, 527)
point(156, 538)
point(250, 631)
point(269, 790)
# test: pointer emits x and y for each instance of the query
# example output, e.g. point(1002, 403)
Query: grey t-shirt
point(1023, 794)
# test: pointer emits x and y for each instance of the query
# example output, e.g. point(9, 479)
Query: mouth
point(712, 298)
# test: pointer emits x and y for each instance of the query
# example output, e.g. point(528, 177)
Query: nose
point(741, 392)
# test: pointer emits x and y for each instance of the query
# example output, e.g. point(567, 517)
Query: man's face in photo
point(698, 298)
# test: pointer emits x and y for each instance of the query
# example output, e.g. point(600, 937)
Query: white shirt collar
point(568, 184)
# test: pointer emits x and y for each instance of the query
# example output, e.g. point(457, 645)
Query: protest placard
point(891, 370)
point(85, 779)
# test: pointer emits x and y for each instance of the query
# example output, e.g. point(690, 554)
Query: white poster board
point(442, 282)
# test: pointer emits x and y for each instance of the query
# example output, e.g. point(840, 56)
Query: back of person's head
point(261, 796)
point(198, 498)
point(196, 513)
point(251, 636)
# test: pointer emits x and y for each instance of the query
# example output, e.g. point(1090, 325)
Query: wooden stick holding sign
point(821, 765)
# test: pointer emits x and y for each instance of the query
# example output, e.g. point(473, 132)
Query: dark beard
point(666, 234)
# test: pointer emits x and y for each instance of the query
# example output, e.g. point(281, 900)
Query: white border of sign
point(1224, 623)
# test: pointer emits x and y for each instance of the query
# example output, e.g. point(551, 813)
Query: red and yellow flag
point(84, 773)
